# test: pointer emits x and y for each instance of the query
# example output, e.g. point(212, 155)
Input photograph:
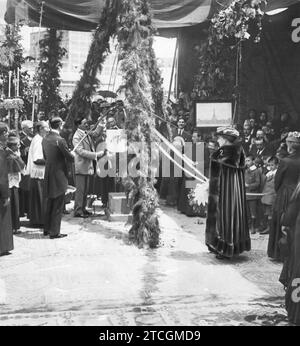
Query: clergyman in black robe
point(6, 235)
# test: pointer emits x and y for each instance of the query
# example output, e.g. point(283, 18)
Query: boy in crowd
point(252, 183)
point(269, 192)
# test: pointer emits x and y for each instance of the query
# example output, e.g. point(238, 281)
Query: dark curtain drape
point(270, 73)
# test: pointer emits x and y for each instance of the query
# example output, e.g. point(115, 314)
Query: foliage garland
point(240, 21)
point(131, 21)
point(156, 80)
point(49, 71)
point(135, 40)
point(81, 99)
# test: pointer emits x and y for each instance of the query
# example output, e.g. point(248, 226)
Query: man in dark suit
point(56, 154)
point(181, 131)
point(258, 149)
point(247, 138)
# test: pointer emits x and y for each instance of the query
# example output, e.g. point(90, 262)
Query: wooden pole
point(9, 94)
point(9, 83)
point(18, 82)
point(33, 104)
point(17, 95)
point(173, 69)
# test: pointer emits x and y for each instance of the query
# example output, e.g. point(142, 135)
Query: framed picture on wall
point(213, 114)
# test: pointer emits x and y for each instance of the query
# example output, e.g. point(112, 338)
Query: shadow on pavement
point(210, 257)
point(31, 235)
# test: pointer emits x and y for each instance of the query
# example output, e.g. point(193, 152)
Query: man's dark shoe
point(82, 216)
point(59, 236)
point(5, 253)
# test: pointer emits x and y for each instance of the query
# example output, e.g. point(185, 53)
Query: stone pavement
point(95, 277)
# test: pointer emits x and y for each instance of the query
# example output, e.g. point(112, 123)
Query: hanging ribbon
point(184, 158)
point(191, 175)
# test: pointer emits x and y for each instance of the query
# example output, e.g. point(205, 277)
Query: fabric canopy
point(83, 15)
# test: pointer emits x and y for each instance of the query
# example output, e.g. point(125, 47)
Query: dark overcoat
point(227, 231)
point(286, 180)
point(56, 154)
point(291, 270)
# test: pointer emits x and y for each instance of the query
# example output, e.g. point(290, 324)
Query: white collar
point(271, 173)
point(81, 132)
point(253, 168)
point(55, 131)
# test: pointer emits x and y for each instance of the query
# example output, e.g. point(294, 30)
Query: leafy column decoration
point(49, 71)
point(135, 40)
point(156, 80)
point(98, 52)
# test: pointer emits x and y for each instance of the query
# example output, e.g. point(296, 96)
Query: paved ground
point(94, 277)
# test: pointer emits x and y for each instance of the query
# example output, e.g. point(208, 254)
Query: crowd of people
point(39, 165)
point(263, 199)
point(254, 172)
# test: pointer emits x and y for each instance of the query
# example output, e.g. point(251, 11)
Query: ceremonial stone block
point(118, 207)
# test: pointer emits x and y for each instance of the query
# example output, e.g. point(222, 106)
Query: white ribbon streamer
point(185, 159)
point(179, 166)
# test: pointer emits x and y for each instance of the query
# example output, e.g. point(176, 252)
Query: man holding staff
point(85, 162)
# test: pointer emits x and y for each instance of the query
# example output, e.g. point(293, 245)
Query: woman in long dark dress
point(6, 235)
point(290, 276)
point(227, 232)
point(286, 180)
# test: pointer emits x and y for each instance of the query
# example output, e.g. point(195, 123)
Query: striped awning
point(83, 15)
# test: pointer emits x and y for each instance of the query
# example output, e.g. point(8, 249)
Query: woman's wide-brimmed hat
point(293, 137)
point(228, 131)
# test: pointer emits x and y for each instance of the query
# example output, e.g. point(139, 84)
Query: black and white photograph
point(149, 166)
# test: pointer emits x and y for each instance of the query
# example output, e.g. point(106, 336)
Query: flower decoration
point(294, 134)
point(14, 103)
point(236, 19)
point(240, 21)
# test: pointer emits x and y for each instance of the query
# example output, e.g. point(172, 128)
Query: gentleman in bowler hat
point(56, 154)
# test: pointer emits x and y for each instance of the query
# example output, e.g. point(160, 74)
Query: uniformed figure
point(56, 154)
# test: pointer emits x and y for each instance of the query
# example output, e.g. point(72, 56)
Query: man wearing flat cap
point(227, 231)
point(6, 235)
point(56, 154)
